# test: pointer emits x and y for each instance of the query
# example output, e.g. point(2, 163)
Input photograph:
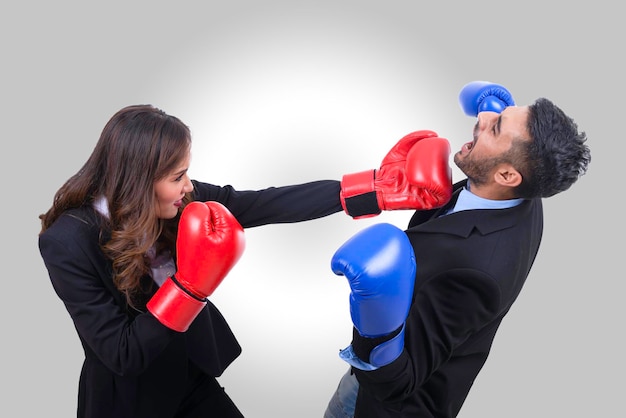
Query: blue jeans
point(342, 404)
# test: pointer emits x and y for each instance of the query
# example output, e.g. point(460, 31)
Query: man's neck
point(490, 191)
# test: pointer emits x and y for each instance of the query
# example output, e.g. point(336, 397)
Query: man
point(426, 302)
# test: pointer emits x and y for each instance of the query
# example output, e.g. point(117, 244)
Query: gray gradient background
point(280, 92)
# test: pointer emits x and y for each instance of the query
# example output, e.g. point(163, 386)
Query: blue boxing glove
point(483, 96)
point(379, 264)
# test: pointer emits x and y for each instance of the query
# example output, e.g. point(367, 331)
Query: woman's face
point(171, 189)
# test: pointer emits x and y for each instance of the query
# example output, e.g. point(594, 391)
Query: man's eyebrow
point(498, 124)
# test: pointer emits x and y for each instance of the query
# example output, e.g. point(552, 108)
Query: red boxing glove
point(210, 242)
point(415, 174)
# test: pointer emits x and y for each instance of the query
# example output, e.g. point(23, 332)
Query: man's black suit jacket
point(471, 266)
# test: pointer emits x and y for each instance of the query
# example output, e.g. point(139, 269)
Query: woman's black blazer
point(134, 366)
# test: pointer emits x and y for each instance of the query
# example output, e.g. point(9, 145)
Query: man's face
point(493, 136)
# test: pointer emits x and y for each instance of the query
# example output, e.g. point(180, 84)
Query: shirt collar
point(468, 201)
point(101, 205)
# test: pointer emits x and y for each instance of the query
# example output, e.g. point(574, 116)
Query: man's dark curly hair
point(556, 155)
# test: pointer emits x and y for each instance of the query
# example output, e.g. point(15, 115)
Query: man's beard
point(477, 171)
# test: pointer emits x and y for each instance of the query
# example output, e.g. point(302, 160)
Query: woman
point(110, 240)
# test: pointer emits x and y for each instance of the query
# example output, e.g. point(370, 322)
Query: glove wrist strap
point(174, 307)
point(388, 351)
point(358, 197)
point(378, 351)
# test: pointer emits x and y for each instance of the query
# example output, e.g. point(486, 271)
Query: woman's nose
point(188, 185)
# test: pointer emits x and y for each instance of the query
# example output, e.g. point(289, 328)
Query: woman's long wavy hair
point(139, 146)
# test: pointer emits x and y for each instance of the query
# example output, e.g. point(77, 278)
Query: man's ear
point(506, 175)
